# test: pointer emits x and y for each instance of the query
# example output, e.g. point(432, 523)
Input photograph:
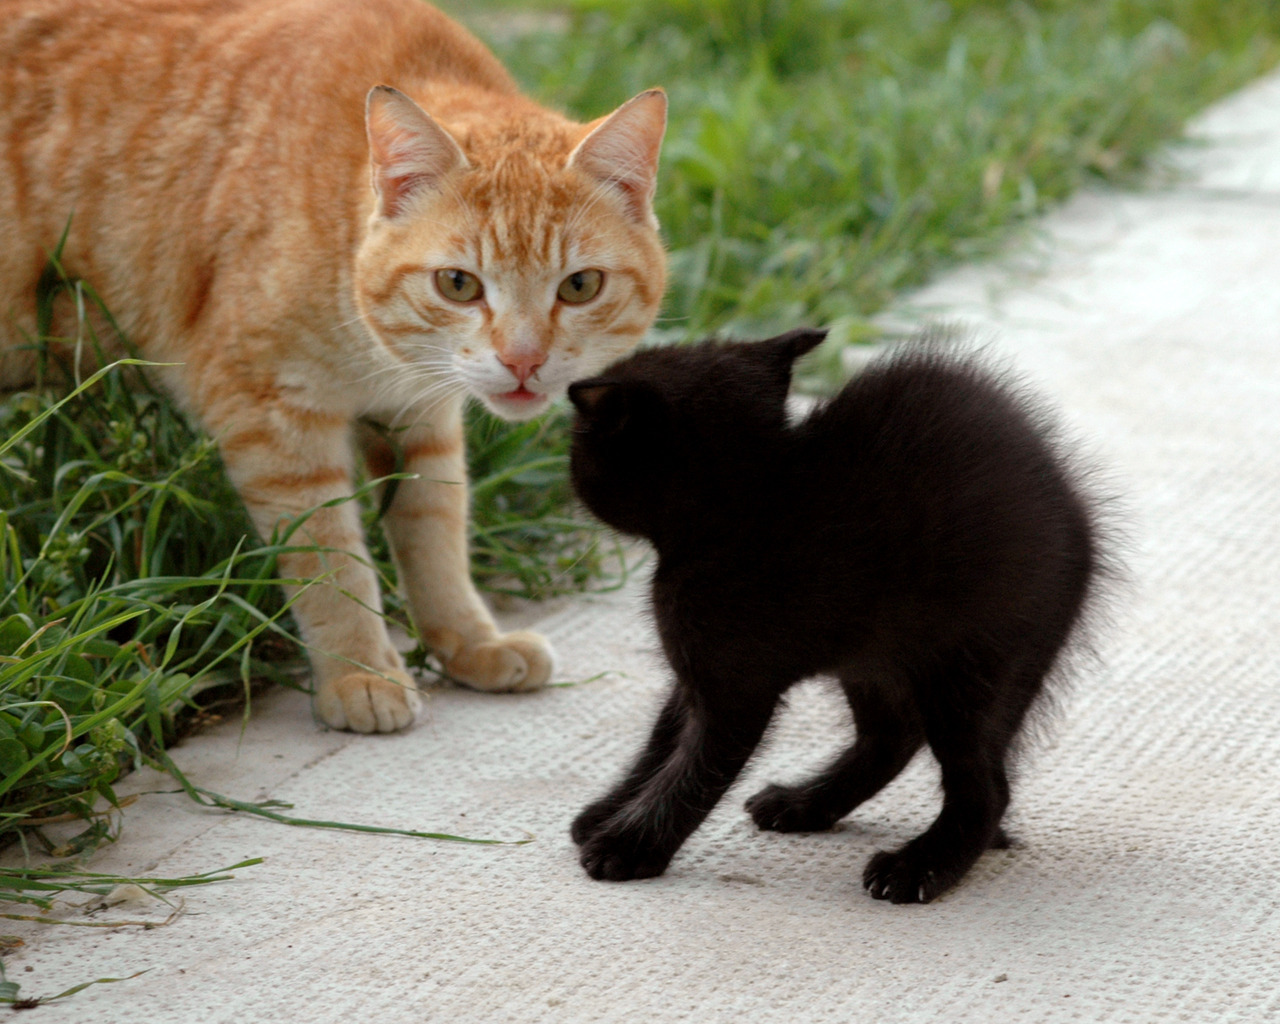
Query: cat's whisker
point(392, 378)
point(400, 365)
point(426, 409)
point(424, 347)
point(358, 318)
point(586, 206)
point(408, 385)
point(463, 207)
point(327, 266)
point(398, 371)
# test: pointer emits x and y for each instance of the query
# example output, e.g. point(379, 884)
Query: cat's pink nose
point(522, 367)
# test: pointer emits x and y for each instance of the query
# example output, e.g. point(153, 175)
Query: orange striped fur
point(328, 211)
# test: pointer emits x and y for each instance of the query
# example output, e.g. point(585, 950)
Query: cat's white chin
point(520, 404)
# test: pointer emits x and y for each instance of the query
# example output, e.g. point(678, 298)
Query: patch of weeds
point(527, 540)
point(131, 582)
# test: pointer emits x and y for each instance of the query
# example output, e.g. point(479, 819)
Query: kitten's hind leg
point(939, 858)
point(889, 734)
point(662, 743)
point(971, 744)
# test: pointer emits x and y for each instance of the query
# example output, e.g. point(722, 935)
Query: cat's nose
point(522, 366)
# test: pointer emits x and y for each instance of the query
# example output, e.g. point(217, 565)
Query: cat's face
point(666, 432)
point(509, 266)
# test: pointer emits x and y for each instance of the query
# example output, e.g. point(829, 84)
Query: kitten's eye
point(458, 285)
point(581, 286)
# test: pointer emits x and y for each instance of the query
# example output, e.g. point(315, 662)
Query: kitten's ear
point(777, 355)
point(608, 406)
point(587, 395)
point(791, 346)
point(622, 151)
point(410, 153)
point(604, 406)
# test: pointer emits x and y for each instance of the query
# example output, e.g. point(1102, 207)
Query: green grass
point(40, 889)
point(132, 587)
point(821, 157)
point(122, 588)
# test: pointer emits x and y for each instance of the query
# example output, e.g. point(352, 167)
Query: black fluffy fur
point(921, 536)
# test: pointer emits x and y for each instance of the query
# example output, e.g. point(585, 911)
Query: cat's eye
point(458, 285)
point(581, 286)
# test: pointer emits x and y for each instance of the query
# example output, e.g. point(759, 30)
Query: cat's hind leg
point(975, 798)
point(889, 734)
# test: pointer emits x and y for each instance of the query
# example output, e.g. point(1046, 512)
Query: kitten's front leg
point(661, 745)
point(718, 736)
point(427, 530)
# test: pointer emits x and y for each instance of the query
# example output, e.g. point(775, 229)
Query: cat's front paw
point(789, 809)
point(365, 702)
point(513, 661)
point(614, 855)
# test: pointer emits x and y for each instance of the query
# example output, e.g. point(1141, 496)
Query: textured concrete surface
point(1142, 886)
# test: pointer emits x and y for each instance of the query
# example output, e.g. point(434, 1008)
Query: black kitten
point(919, 536)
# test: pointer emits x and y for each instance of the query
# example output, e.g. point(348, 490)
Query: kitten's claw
point(513, 661)
point(364, 702)
point(886, 877)
point(903, 877)
point(788, 809)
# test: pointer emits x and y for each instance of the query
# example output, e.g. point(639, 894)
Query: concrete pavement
point(1143, 883)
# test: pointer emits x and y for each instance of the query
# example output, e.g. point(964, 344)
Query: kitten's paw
point(364, 702)
point(614, 856)
point(591, 818)
point(910, 876)
point(513, 661)
point(789, 809)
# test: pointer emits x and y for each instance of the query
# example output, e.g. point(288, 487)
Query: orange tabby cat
point(214, 158)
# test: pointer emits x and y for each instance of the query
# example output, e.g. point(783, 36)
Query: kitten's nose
point(522, 366)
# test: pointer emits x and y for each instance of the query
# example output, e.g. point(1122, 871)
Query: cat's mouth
point(520, 402)
point(520, 394)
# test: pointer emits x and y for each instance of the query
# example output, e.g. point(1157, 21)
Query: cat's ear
point(409, 151)
point(622, 150)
